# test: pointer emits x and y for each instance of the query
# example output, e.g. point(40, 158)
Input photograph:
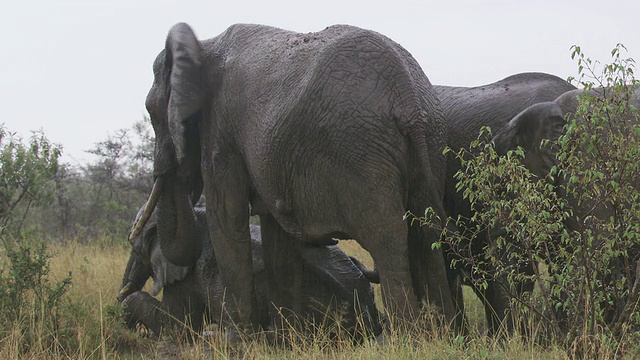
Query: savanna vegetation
point(578, 225)
point(63, 250)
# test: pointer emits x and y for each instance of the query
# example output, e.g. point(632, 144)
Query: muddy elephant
point(333, 285)
point(466, 110)
point(332, 134)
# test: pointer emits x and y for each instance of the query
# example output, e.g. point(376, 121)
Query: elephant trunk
point(135, 276)
point(177, 225)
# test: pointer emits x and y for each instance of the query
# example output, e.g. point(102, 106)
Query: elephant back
point(468, 109)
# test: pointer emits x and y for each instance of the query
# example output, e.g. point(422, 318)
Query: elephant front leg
point(498, 307)
point(228, 221)
point(501, 290)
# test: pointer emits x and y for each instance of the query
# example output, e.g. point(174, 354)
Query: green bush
point(30, 301)
point(97, 201)
point(27, 174)
point(580, 224)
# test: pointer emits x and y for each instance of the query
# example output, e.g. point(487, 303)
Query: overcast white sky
point(81, 69)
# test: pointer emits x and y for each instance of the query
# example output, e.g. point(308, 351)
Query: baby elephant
point(333, 283)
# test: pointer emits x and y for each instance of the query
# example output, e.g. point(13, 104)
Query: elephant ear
point(187, 90)
point(164, 272)
point(542, 121)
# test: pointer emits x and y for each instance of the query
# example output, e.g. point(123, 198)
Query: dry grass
point(96, 332)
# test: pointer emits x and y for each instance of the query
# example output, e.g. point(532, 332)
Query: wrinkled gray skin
point(330, 281)
point(466, 110)
point(329, 134)
point(546, 121)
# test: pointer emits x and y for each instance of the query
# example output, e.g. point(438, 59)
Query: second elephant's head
point(175, 103)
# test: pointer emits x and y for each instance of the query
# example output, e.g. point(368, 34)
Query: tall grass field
point(89, 325)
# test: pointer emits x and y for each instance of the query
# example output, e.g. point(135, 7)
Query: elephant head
point(546, 121)
point(175, 104)
point(527, 130)
point(542, 121)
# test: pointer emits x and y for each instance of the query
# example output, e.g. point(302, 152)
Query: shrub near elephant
point(600, 212)
point(467, 110)
point(329, 134)
point(335, 290)
point(546, 121)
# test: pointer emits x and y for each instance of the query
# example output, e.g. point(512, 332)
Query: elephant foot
point(211, 330)
point(144, 332)
point(233, 336)
point(382, 339)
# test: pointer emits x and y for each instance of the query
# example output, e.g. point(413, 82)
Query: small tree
point(99, 199)
point(119, 180)
point(28, 299)
point(598, 158)
point(27, 173)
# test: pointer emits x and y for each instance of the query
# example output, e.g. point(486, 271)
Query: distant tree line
point(43, 197)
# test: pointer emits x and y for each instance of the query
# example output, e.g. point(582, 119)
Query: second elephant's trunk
point(177, 226)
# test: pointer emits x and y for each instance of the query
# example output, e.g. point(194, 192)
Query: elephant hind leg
point(461, 323)
point(501, 319)
point(429, 273)
point(283, 268)
point(387, 244)
point(497, 308)
point(428, 263)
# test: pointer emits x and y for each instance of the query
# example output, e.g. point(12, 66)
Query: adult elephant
point(546, 120)
point(333, 287)
point(329, 134)
point(467, 110)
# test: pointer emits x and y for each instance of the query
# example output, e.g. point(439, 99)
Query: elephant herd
point(329, 135)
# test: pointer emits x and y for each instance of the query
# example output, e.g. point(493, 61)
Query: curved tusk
point(141, 221)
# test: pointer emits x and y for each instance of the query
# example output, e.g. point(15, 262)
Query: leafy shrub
point(27, 173)
point(30, 301)
point(577, 229)
point(97, 201)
